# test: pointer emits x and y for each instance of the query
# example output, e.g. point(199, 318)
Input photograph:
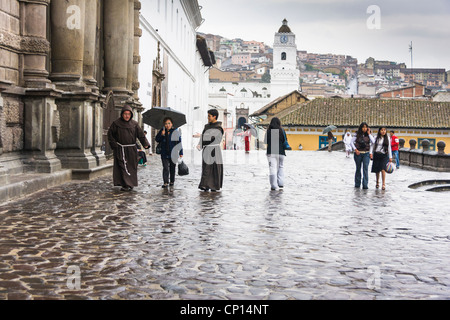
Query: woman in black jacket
point(171, 148)
point(275, 139)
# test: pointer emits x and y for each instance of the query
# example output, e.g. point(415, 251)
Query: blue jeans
point(397, 159)
point(364, 160)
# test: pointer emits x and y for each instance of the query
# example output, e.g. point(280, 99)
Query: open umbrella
point(328, 129)
point(252, 128)
point(155, 116)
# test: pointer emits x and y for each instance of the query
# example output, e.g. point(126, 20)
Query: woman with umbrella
point(247, 133)
point(169, 139)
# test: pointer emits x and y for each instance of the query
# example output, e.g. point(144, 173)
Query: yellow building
point(410, 119)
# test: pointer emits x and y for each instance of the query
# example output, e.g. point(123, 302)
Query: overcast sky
point(341, 26)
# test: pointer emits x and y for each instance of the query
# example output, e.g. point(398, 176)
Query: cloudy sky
point(349, 27)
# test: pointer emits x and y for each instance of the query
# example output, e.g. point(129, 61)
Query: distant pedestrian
point(361, 143)
point(171, 150)
point(330, 140)
point(247, 135)
point(212, 162)
point(394, 145)
point(348, 143)
point(275, 139)
point(122, 136)
point(381, 154)
point(142, 158)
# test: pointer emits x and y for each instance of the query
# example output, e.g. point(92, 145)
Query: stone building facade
point(66, 69)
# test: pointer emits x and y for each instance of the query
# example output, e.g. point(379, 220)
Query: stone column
point(136, 56)
point(41, 117)
point(74, 25)
point(90, 43)
point(67, 32)
point(116, 35)
point(34, 43)
point(130, 38)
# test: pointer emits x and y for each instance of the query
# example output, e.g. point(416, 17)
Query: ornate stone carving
point(34, 45)
point(136, 59)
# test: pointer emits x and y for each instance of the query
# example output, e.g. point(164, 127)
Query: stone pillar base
point(42, 164)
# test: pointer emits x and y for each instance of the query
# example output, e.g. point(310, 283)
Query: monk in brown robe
point(212, 162)
point(122, 136)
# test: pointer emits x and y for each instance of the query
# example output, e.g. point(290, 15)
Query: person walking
point(330, 140)
point(122, 136)
point(212, 162)
point(169, 139)
point(247, 136)
point(394, 146)
point(361, 143)
point(348, 143)
point(381, 154)
point(275, 139)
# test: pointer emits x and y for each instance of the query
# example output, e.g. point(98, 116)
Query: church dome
point(284, 28)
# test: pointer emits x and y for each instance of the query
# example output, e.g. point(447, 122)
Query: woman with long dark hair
point(362, 143)
point(381, 154)
point(275, 139)
point(169, 138)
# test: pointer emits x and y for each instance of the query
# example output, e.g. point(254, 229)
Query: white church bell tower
point(285, 73)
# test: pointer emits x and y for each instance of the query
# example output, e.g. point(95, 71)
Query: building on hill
point(414, 91)
point(410, 119)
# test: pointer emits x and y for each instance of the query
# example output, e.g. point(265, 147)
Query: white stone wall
point(187, 79)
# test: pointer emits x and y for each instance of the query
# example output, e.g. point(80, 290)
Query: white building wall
point(168, 22)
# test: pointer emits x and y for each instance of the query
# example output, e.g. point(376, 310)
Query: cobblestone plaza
point(318, 238)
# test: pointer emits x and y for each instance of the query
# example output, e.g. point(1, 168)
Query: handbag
point(158, 148)
point(183, 169)
point(286, 145)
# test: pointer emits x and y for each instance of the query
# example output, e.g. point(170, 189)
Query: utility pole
point(411, 50)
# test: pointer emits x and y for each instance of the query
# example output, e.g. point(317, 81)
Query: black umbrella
point(155, 116)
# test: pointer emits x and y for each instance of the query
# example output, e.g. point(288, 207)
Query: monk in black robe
point(212, 162)
point(122, 136)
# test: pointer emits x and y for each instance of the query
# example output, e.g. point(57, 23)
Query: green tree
point(266, 77)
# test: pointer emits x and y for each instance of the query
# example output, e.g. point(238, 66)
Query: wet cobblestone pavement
point(319, 238)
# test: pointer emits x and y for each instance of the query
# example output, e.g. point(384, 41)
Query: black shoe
point(171, 184)
point(165, 185)
point(204, 189)
point(126, 188)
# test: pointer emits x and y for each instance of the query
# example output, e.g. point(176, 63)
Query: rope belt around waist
point(123, 146)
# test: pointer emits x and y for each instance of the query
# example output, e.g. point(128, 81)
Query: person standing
point(275, 139)
point(381, 154)
point(348, 143)
point(169, 139)
point(330, 140)
point(122, 136)
point(361, 143)
point(247, 135)
point(212, 162)
point(394, 146)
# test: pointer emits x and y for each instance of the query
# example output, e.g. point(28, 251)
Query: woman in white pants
point(275, 139)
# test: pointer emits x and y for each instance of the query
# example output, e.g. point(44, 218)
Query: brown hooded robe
point(122, 137)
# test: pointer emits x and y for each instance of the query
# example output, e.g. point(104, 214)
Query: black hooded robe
point(212, 173)
point(122, 137)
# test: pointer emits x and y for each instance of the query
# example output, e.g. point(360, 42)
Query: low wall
point(424, 158)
